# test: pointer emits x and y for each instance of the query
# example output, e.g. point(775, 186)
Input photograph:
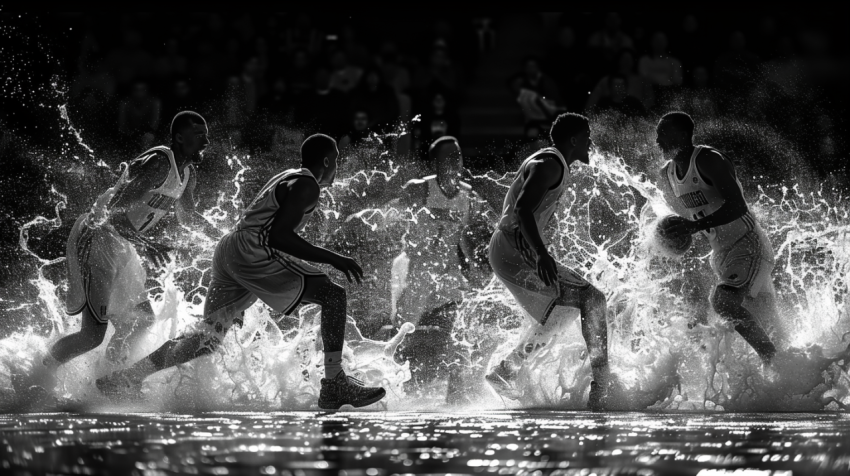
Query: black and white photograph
point(365, 243)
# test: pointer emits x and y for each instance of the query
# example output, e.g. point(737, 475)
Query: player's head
point(319, 153)
point(189, 135)
point(570, 134)
point(447, 158)
point(675, 131)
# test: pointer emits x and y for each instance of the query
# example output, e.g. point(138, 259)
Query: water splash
point(668, 351)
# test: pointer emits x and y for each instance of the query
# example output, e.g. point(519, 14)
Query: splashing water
point(668, 352)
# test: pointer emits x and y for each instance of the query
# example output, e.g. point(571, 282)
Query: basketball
point(674, 246)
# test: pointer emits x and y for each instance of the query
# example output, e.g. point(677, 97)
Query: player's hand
point(349, 267)
point(680, 229)
point(156, 253)
point(547, 268)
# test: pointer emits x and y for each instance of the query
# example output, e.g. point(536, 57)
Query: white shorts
point(243, 270)
point(746, 264)
point(519, 274)
point(105, 273)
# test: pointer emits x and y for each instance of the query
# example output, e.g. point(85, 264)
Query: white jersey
point(442, 223)
point(509, 222)
point(692, 198)
point(154, 204)
point(258, 216)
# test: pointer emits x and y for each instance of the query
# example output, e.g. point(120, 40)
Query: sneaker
point(345, 390)
point(121, 385)
point(503, 381)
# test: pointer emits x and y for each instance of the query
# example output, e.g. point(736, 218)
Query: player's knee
point(724, 300)
point(333, 293)
point(593, 297)
point(94, 337)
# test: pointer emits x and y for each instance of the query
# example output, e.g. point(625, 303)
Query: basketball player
point(435, 256)
point(701, 185)
point(106, 278)
point(520, 258)
point(262, 258)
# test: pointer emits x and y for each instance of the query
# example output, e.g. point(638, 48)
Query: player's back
point(509, 222)
point(258, 216)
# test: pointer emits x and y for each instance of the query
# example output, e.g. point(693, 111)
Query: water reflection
point(528, 442)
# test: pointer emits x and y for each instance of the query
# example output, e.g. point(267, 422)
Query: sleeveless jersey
point(692, 198)
point(154, 204)
point(258, 216)
point(446, 216)
point(544, 212)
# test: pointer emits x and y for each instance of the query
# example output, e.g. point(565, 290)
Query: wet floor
point(525, 442)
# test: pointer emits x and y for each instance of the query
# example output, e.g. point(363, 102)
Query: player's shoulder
point(709, 157)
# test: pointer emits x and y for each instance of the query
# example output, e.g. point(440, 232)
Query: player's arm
point(186, 211)
point(719, 172)
point(543, 174)
point(144, 175)
point(301, 195)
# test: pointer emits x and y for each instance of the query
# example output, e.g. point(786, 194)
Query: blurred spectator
point(324, 109)
point(440, 74)
point(439, 118)
point(139, 116)
point(279, 103)
point(636, 86)
point(377, 99)
point(534, 79)
point(737, 67)
point(619, 100)
point(690, 44)
point(358, 131)
point(567, 63)
point(235, 115)
point(300, 77)
point(610, 40)
point(130, 61)
point(179, 97)
point(203, 66)
point(355, 52)
point(94, 75)
point(658, 67)
point(484, 33)
point(395, 74)
point(253, 84)
point(303, 36)
point(172, 64)
point(344, 76)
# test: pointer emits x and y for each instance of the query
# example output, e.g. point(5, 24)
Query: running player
point(701, 185)
point(520, 258)
point(106, 277)
point(431, 267)
point(262, 258)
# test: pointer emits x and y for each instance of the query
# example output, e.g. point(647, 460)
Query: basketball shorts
point(243, 270)
point(746, 264)
point(105, 273)
point(518, 272)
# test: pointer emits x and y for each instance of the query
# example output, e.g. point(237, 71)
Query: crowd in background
point(349, 76)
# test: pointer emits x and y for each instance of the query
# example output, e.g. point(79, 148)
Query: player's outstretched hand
point(547, 269)
point(349, 267)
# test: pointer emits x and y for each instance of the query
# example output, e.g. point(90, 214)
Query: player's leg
point(89, 336)
point(728, 303)
point(130, 328)
point(337, 388)
point(743, 273)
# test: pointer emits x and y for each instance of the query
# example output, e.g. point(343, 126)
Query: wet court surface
point(525, 442)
